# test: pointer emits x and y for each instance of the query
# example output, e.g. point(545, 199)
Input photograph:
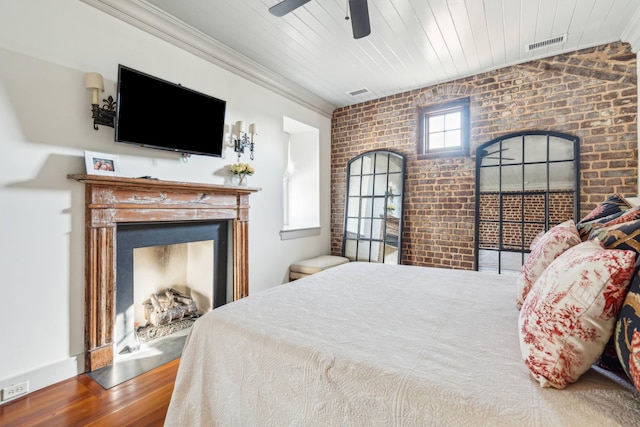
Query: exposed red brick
point(590, 93)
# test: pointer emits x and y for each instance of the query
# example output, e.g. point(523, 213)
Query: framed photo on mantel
point(101, 163)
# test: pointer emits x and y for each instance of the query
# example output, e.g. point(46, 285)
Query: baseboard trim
point(47, 375)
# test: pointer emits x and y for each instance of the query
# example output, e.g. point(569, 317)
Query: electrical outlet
point(15, 390)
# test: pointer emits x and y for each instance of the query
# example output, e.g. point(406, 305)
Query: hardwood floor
point(80, 401)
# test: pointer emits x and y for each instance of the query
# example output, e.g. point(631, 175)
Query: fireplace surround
point(110, 201)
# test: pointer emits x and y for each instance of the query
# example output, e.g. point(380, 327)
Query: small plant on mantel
point(241, 170)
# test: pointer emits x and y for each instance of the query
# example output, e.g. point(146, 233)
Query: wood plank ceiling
point(413, 43)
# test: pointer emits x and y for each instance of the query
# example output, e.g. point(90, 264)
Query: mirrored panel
point(535, 176)
point(535, 148)
point(490, 179)
point(381, 184)
point(373, 224)
point(396, 165)
point(511, 178)
point(368, 165)
point(382, 163)
point(366, 189)
point(353, 207)
point(526, 183)
point(560, 149)
point(354, 185)
point(355, 169)
point(561, 175)
point(351, 228)
point(509, 151)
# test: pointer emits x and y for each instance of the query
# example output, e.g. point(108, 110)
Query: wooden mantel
point(111, 200)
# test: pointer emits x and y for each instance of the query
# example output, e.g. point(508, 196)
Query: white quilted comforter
point(379, 345)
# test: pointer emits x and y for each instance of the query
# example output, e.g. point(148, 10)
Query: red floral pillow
point(545, 249)
point(569, 315)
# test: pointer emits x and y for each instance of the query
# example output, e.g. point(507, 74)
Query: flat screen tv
point(155, 113)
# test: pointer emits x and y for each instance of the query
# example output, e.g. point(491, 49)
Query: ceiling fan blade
point(499, 158)
point(286, 6)
point(359, 18)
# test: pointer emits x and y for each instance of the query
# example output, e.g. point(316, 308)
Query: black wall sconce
point(102, 115)
point(242, 139)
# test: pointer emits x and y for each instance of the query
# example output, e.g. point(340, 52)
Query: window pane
point(367, 185)
point(367, 165)
point(452, 120)
point(377, 229)
point(363, 251)
point(378, 207)
point(365, 229)
point(535, 148)
point(436, 123)
point(395, 164)
point(511, 151)
point(352, 227)
point(560, 149)
point(366, 208)
point(380, 187)
point(382, 162)
point(561, 176)
point(356, 167)
point(352, 210)
point(354, 185)
point(436, 140)
point(350, 249)
point(452, 138)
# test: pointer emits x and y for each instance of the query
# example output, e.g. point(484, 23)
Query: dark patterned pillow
point(607, 211)
point(627, 331)
point(624, 235)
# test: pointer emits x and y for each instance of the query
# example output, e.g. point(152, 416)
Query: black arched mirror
point(526, 183)
point(373, 212)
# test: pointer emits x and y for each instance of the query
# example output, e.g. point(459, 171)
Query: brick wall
point(590, 93)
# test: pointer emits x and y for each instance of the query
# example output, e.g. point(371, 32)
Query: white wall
point(46, 47)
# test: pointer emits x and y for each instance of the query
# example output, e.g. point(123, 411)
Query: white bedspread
point(379, 345)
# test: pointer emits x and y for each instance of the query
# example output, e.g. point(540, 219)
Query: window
point(443, 130)
point(301, 181)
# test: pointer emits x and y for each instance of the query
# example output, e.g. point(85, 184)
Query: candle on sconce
point(253, 130)
point(95, 82)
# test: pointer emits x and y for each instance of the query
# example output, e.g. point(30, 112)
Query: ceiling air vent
point(546, 43)
point(358, 92)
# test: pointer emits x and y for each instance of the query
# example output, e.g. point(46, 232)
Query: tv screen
point(152, 112)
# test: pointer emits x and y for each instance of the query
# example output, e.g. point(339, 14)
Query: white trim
point(160, 24)
point(298, 233)
point(47, 375)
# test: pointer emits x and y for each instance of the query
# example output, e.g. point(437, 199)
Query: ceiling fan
point(359, 11)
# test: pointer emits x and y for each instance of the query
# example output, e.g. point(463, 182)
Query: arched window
point(373, 213)
point(526, 183)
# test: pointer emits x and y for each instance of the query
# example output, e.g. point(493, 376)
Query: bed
point(366, 344)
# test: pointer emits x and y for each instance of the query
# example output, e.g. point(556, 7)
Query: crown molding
point(166, 27)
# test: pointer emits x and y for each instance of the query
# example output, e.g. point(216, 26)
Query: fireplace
point(112, 202)
point(187, 258)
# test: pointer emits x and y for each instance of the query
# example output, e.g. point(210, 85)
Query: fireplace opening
point(176, 265)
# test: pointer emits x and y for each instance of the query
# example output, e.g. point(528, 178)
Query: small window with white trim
point(443, 130)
